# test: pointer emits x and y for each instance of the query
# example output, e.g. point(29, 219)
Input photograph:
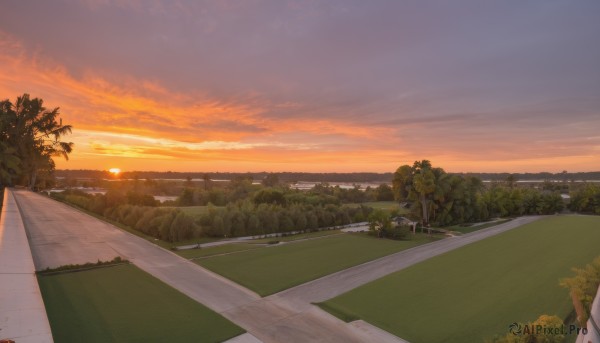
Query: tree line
point(253, 216)
point(586, 199)
point(439, 198)
point(325, 177)
point(271, 189)
point(243, 207)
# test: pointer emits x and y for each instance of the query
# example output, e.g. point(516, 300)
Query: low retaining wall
point(22, 313)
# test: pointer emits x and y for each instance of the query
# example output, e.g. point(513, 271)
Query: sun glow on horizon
point(114, 171)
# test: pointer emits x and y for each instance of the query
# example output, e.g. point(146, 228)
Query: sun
point(114, 171)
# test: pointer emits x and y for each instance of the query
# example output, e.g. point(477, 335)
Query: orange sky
point(150, 122)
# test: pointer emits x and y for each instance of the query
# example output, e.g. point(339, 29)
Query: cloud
point(299, 85)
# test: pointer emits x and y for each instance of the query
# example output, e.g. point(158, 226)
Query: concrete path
point(62, 235)
point(284, 317)
point(22, 313)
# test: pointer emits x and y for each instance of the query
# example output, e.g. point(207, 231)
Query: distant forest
point(318, 177)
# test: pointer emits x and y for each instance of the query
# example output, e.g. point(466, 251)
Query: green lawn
point(474, 227)
point(274, 268)
point(299, 236)
point(125, 304)
point(475, 292)
point(217, 250)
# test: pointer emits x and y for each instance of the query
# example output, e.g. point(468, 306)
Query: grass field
point(217, 250)
point(250, 244)
point(125, 304)
point(299, 236)
point(474, 227)
point(475, 292)
point(274, 268)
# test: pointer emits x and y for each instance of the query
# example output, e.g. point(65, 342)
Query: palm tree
point(35, 133)
point(9, 164)
point(424, 185)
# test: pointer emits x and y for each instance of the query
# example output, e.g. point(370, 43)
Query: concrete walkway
point(58, 232)
point(22, 313)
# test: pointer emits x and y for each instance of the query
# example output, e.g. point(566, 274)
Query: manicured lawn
point(475, 292)
point(196, 240)
point(298, 236)
point(274, 268)
point(125, 304)
point(252, 244)
point(217, 250)
point(474, 227)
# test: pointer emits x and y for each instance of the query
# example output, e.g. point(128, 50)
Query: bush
point(75, 267)
point(397, 233)
point(584, 286)
point(182, 228)
point(526, 333)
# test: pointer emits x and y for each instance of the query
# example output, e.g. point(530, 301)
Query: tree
point(379, 222)
point(511, 180)
point(206, 179)
point(188, 183)
point(424, 185)
point(402, 183)
point(9, 164)
point(583, 287)
point(181, 228)
point(384, 193)
point(271, 180)
point(269, 196)
point(417, 185)
point(186, 198)
point(35, 135)
point(586, 199)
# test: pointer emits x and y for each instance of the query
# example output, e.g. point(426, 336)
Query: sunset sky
point(313, 85)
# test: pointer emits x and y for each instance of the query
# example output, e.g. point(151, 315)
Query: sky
point(314, 86)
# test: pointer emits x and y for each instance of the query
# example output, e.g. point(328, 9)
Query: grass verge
point(124, 304)
point(475, 292)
